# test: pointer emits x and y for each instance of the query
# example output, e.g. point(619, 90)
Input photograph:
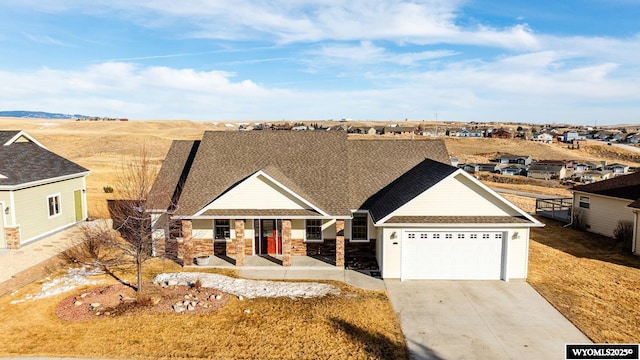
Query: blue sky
point(503, 60)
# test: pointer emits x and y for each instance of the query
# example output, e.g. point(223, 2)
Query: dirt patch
point(120, 300)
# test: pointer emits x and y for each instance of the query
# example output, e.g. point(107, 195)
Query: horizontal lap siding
point(260, 193)
point(455, 196)
point(603, 213)
point(32, 208)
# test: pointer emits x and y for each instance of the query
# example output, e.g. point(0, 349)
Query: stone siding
point(12, 237)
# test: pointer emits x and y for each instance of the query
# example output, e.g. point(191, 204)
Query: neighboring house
point(514, 159)
point(600, 206)
point(514, 169)
point(632, 138)
point(470, 167)
point(40, 192)
point(489, 167)
point(547, 170)
point(321, 194)
point(470, 133)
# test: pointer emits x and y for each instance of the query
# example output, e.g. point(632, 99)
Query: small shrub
point(107, 189)
point(624, 234)
point(143, 300)
point(197, 285)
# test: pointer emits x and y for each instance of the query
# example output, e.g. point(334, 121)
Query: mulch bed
point(121, 300)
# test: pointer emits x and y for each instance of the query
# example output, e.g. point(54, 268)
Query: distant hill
point(40, 115)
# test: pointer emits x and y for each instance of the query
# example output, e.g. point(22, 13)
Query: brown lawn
point(589, 280)
point(356, 324)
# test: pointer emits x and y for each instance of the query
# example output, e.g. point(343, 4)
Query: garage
point(451, 255)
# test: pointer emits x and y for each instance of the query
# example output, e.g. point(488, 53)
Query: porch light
point(393, 235)
point(515, 235)
point(6, 210)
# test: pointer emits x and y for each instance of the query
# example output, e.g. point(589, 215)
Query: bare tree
point(126, 241)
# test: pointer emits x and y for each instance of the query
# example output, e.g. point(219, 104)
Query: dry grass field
point(581, 274)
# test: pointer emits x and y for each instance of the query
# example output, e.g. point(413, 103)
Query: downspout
point(635, 232)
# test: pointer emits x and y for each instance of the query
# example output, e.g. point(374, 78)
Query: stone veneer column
point(12, 237)
point(187, 242)
point(286, 242)
point(340, 243)
point(239, 227)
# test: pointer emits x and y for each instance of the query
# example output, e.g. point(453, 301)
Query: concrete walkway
point(19, 267)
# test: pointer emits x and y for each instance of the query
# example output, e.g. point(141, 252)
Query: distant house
point(433, 131)
point(398, 130)
point(569, 136)
point(514, 169)
point(543, 137)
point(489, 167)
point(501, 134)
point(470, 168)
point(514, 159)
point(617, 168)
point(470, 133)
point(547, 171)
point(40, 191)
point(590, 176)
point(632, 138)
point(588, 165)
point(600, 206)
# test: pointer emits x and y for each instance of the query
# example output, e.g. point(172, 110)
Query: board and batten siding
point(260, 193)
point(603, 213)
point(32, 208)
point(457, 196)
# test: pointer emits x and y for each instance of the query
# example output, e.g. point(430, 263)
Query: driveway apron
point(479, 320)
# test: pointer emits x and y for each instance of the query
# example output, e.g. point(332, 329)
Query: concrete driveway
point(479, 320)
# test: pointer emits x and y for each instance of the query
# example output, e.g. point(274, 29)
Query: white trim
point(286, 189)
point(482, 186)
point(19, 135)
point(321, 232)
point(227, 239)
point(44, 181)
point(3, 237)
point(366, 212)
point(458, 225)
point(296, 217)
point(59, 205)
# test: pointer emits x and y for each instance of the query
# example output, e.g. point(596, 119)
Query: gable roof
point(172, 175)
point(406, 187)
point(623, 187)
point(27, 161)
point(325, 169)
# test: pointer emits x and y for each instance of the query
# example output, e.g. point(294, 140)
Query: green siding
point(32, 208)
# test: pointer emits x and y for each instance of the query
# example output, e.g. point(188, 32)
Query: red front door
point(270, 239)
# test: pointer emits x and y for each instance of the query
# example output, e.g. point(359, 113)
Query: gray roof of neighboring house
point(333, 173)
point(623, 187)
point(546, 167)
point(26, 161)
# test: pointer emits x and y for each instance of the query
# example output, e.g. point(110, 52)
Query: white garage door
point(470, 255)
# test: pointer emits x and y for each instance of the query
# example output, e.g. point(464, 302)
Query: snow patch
point(250, 288)
point(72, 279)
point(229, 125)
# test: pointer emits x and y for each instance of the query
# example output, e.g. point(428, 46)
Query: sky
point(524, 61)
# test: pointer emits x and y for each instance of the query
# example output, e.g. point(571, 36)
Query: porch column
point(286, 242)
point(12, 237)
point(239, 227)
point(187, 243)
point(339, 243)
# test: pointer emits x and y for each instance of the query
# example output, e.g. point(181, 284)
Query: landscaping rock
point(77, 303)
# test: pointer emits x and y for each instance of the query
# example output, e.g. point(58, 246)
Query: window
point(313, 230)
point(54, 205)
point(436, 236)
point(498, 236)
point(485, 236)
point(584, 202)
point(460, 236)
point(221, 229)
point(359, 227)
point(423, 236)
point(448, 236)
point(473, 236)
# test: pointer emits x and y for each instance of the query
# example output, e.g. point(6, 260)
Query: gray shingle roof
point(623, 187)
point(26, 162)
point(335, 174)
point(166, 189)
point(457, 220)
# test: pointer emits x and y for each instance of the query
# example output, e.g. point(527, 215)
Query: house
point(587, 165)
point(543, 137)
point(632, 138)
point(590, 176)
point(398, 130)
point(489, 167)
point(470, 133)
point(514, 169)
point(470, 167)
point(501, 134)
point(571, 135)
point(600, 206)
point(40, 192)
point(321, 194)
point(617, 168)
point(547, 170)
point(514, 159)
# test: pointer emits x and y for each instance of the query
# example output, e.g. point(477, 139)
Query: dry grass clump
point(355, 324)
point(589, 280)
